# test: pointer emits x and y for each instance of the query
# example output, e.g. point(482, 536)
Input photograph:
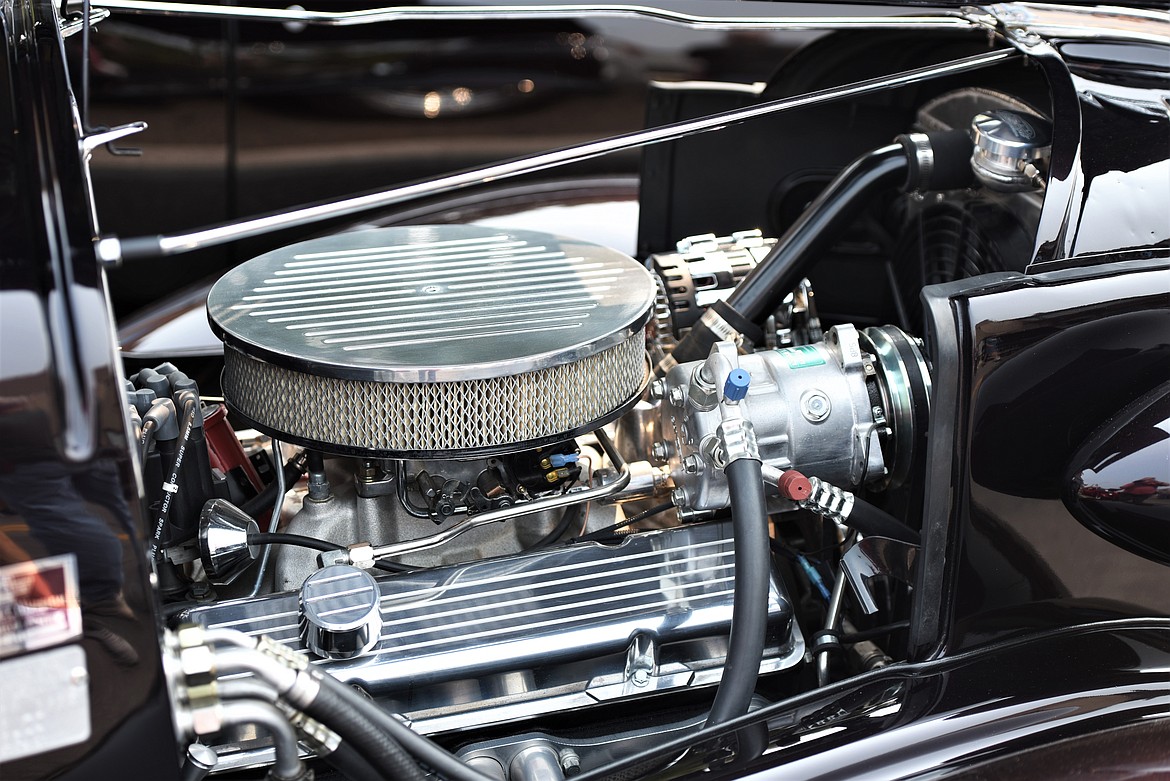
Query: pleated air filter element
point(448, 340)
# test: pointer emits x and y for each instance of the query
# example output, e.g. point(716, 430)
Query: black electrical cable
point(569, 519)
point(171, 487)
point(149, 427)
point(749, 613)
point(438, 759)
point(877, 631)
point(872, 521)
point(279, 538)
point(602, 534)
point(336, 710)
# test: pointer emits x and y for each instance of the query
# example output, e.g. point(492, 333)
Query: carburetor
point(848, 410)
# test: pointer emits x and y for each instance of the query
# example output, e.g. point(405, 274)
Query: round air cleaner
point(442, 340)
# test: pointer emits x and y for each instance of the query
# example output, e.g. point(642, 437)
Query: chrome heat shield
point(510, 638)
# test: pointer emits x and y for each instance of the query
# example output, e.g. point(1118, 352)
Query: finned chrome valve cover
point(510, 638)
point(446, 340)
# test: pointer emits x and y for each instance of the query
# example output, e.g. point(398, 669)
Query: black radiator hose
point(918, 161)
point(749, 613)
point(365, 715)
point(336, 710)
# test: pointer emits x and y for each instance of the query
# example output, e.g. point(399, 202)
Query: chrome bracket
point(108, 136)
point(75, 22)
point(874, 557)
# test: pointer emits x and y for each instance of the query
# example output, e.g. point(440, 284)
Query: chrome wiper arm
point(552, 11)
point(112, 250)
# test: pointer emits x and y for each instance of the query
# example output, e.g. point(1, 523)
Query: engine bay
point(503, 482)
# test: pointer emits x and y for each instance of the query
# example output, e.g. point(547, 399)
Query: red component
point(795, 486)
point(223, 448)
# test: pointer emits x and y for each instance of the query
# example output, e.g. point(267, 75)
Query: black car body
point(1003, 611)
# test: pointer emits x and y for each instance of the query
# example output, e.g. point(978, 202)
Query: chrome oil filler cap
point(1011, 149)
point(433, 341)
point(340, 618)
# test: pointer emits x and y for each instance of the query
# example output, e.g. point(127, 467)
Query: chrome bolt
point(678, 497)
point(658, 451)
point(815, 406)
point(693, 464)
point(677, 398)
point(640, 677)
point(570, 762)
point(657, 389)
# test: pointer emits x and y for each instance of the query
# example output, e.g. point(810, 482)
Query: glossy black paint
point(1035, 365)
point(933, 719)
point(1109, 181)
point(1026, 369)
point(67, 477)
point(1119, 481)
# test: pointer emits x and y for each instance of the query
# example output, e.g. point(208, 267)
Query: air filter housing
point(432, 341)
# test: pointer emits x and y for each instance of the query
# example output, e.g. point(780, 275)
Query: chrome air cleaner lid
point(432, 340)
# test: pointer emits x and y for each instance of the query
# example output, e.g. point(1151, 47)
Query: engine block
point(509, 638)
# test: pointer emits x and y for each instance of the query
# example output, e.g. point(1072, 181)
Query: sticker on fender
point(38, 604)
point(802, 357)
point(45, 703)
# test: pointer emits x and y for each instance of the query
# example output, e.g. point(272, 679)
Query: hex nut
point(197, 661)
point(815, 405)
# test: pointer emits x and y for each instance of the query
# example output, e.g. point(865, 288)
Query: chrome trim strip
point(112, 251)
point(385, 14)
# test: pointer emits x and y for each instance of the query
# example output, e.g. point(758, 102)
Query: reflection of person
point(55, 503)
point(60, 505)
point(1142, 489)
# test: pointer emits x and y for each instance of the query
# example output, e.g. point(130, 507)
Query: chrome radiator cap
point(444, 340)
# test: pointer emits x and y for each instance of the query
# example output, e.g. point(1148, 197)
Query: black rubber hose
point(293, 469)
point(818, 228)
point(873, 521)
point(279, 538)
point(569, 518)
point(749, 614)
point(351, 764)
point(430, 754)
point(335, 710)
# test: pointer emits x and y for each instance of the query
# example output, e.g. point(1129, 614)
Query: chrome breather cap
point(340, 618)
point(223, 541)
point(1011, 149)
point(442, 340)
